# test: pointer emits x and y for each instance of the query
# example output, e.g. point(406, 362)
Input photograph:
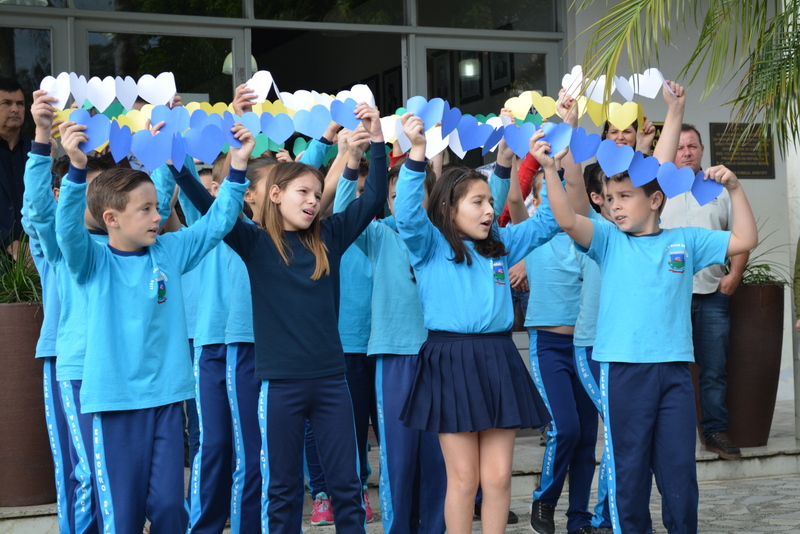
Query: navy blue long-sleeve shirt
point(295, 318)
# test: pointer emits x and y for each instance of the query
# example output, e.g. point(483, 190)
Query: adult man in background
point(14, 148)
point(710, 298)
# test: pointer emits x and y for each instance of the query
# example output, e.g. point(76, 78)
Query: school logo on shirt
point(677, 258)
point(499, 272)
point(160, 283)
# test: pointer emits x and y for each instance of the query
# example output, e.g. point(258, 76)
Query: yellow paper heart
point(191, 107)
point(640, 117)
point(102, 147)
point(136, 120)
point(258, 109)
point(582, 101)
point(596, 111)
point(276, 107)
point(219, 108)
point(520, 105)
point(622, 115)
point(545, 106)
point(205, 106)
point(62, 115)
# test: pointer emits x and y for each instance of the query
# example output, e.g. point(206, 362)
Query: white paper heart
point(595, 88)
point(648, 83)
point(495, 122)
point(101, 93)
point(261, 83)
point(572, 82)
point(57, 87)
point(322, 98)
point(506, 120)
point(78, 86)
point(455, 144)
point(402, 138)
point(388, 127)
point(127, 91)
point(298, 100)
point(435, 143)
point(362, 93)
point(624, 88)
point(344, 94)
point(159, 90)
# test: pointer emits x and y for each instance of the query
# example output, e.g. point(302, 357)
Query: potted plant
point(756, 339)
point(26, 465)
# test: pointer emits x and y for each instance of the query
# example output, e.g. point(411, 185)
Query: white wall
point(767, 197)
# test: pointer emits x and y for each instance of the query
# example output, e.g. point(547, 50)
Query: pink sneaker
point(367, 507)
point(323, 510)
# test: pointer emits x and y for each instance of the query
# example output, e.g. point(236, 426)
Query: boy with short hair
point(137, 370)
point(644, 337)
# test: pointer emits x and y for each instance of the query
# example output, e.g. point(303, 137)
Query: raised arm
point(578, 227)
point(667, 146)
point(744, 232)
point(573, 173)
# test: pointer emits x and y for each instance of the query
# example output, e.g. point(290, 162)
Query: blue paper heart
point(472, 134)
point(674, 181)
point(97, 128)
point(583, 146)
point(119, 141)
point(416, 104)
point(177, 119)
point(204, 144)
point(152, 150)
point(228, 120)
point(492, 141)
point(312, 123)
point(704, 191)
point(344, 113)
point(558, 135)
point(613, 159)
point(278, 127)
point(450, 119)
point(178, 154)
point(200, 119)
point(251, 121)
point(431, 113)
point(518, 139)
point(642, 169)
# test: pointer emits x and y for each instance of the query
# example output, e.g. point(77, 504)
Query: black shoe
point(584, 530)
point(512, 517)
point(723, 445)
point(542, 518)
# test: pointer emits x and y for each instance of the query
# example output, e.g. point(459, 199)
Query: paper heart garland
point(623, 115)
point(435, 142)
point(261, 82)
point(204, 144)
point(278, 127)
point(159, 90)
point(314, 122)
point(127, 91)
point(520, 105)
point(450, 119)
point(471, 134)
point(101, 92)
point(642, 169)
point(77, 85)
point(343, 113)
point(518, 139)
point(119, 141)
point(152, 150)
point(493, 140)
point(178, 152)
point(613, 159)
point(583, 146)
point(544, 105)
point(97, 129)
point(648, 83)
point(674, 181)
point(558, 135)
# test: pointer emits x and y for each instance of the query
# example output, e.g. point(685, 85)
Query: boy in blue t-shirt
point(644, 337)
point(137, 369)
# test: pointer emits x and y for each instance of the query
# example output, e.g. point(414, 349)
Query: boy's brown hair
point(110, 191)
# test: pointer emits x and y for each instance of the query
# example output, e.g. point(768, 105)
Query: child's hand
point(330, 132)
point(240, 156)
point(176, 101)
point(358, 142)
point(243, 99)
point(645, 136)
point(567, 108)
point(541, 151)
point(723, 175)
point(505, 156)
point(43, 111)
point(371, 120)
point(72, 135)
point(343, 141)
point(414, 130)
point(283, 156)
point(676, 97)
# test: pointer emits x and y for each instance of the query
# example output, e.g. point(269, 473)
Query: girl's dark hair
point(257, 169)
point(594, 178)
point(447, 192)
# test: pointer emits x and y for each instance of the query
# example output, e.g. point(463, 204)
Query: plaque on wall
point(750, 160)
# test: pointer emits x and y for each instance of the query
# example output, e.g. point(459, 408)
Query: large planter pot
point(754, 362)
point(26, 464)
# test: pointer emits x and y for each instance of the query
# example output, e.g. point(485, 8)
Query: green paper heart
point(300, 145)
point(275, 147)
point(225, 148)
point(262, 144)
point(401, 111)
point(330, 154)
point(114, 110)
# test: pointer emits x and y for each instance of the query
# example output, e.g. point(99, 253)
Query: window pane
point(196, 62)
point(218, 8)
point(352, 11)
point(25, 57)
point(295, 61)
point(479, 83)
point(518, 15)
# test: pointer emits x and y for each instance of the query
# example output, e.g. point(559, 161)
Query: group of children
point(298, 318)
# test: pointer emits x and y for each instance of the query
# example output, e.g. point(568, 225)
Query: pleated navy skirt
point(472, 382)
